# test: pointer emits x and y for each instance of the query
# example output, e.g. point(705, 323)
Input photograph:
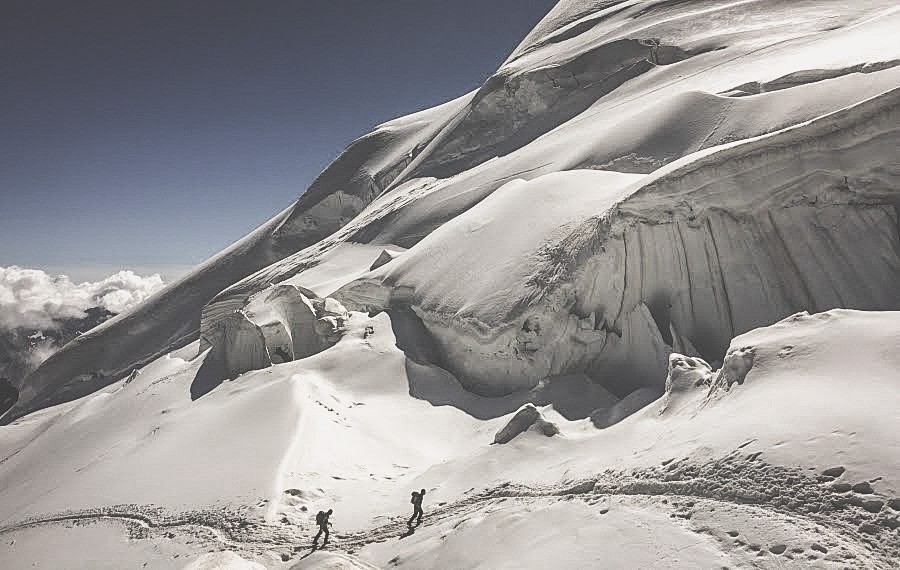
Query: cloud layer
point(33, 298)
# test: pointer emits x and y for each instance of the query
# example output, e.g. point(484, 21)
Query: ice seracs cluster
point(280, 324)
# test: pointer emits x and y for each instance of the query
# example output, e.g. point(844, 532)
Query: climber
point(322, 521)
point(416, 501)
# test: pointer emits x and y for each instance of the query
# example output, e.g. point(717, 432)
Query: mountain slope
point(623, 86)
point(642, 286)
point(171, 318)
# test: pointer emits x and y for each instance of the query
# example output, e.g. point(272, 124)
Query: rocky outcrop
point(386, 256)
point(528, 417)
point(685, 377)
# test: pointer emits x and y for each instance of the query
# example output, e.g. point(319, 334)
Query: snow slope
point(262, 457)
point(632, 302)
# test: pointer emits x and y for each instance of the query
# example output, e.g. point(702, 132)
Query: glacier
point(664, 233)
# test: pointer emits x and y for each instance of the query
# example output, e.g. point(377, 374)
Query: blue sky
point(150, 134)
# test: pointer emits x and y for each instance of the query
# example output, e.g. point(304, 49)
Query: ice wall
point(280, 324)
point(712, 246)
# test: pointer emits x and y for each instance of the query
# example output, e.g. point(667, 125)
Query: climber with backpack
point(416, 501)
point(322, 521)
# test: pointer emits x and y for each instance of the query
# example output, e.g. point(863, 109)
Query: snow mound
point(555, 535)
point(222, 561)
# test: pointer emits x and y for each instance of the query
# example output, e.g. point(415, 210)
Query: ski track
point(738, 482)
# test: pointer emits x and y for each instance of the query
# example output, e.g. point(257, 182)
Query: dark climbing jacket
point(416, 499)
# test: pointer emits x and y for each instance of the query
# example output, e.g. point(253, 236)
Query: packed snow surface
point(634, 302)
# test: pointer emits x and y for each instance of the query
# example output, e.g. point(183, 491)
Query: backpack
point(320, 518)
point(412, 501)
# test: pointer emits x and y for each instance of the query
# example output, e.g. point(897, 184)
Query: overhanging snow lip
point(841, 119)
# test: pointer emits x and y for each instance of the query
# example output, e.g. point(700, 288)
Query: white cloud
point(39, 353)
point(33, 298)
